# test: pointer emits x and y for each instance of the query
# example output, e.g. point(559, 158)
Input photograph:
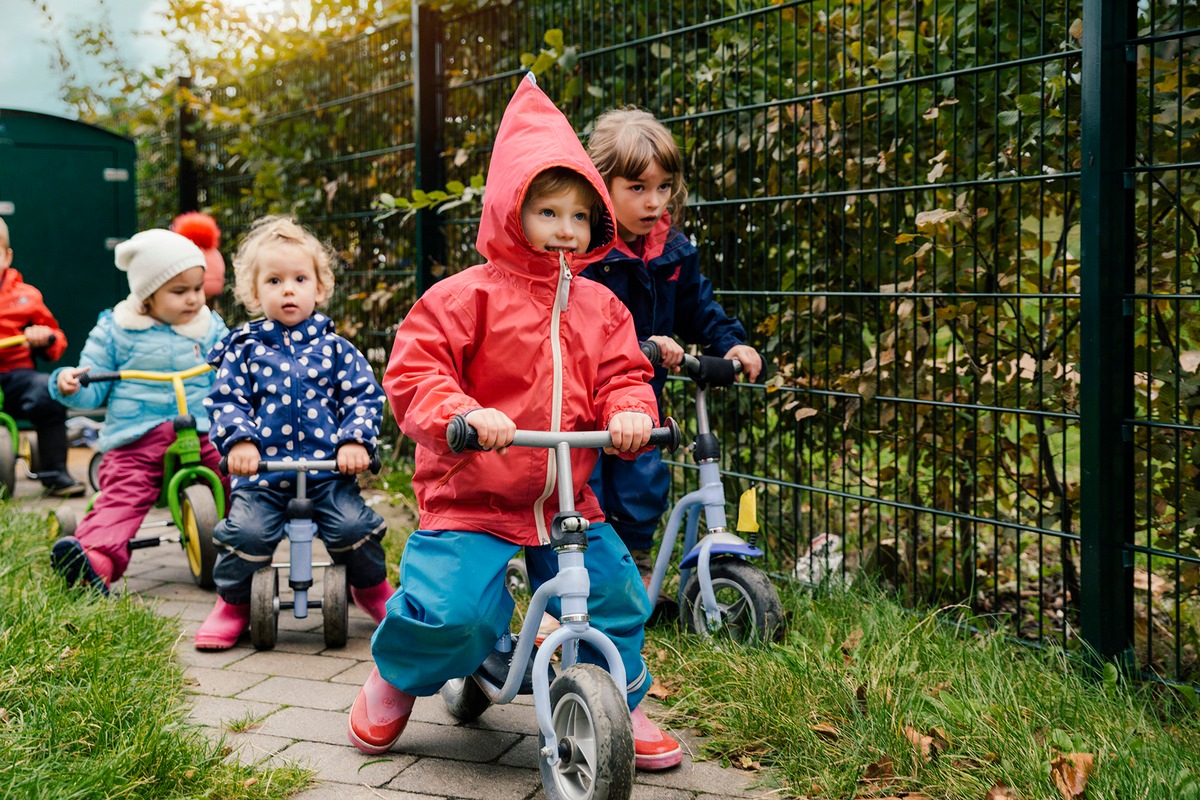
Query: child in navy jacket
point(289, 388)
point(655, 270)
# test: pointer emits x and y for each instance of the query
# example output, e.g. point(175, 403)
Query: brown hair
point(625, 141)
point(556, 180)
point(272, 230)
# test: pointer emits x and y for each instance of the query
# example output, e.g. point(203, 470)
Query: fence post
point(185, 149)
point(1106, 260)
point(426, 43)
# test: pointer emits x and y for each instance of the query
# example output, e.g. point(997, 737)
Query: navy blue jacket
point(667, 294)
point(296, 392)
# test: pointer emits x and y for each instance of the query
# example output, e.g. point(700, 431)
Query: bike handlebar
point(100, 375)
point(704, 370)
point(303, 465)
point(461, 436)
point(20, 339)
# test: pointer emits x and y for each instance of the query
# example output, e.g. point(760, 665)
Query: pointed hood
point(534, 136)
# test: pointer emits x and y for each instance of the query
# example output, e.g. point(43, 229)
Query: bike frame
point(181, 461)
point(711, 498)
point(572, 583)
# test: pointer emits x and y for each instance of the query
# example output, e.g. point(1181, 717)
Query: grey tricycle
point(585, 735)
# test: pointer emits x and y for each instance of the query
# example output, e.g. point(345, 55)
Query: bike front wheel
point(749, 605)
point(595, 738)
point(198, 518)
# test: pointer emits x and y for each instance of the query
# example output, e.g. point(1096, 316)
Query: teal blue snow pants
point(452, 606)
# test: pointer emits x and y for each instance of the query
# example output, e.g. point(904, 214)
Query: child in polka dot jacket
point(288, 387)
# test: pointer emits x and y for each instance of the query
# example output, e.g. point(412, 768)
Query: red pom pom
point(200, 228)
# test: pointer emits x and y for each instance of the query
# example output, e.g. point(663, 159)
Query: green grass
point(92, 702)
point(859, 681)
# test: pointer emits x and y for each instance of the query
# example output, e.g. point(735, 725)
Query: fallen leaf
point(852, 641)
point(1000, 792)
point(1070, 773)
point(249, 782)
point(826, 731)
point(747, 763)
point(658, 691)
point(923, 743)
point(881, 770)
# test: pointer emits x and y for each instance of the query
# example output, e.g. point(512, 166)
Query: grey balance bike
point(266, 603)
point(585, 735)
point(722, 593)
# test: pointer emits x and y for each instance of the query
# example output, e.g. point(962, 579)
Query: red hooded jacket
point(21, 305)
point(520, 334)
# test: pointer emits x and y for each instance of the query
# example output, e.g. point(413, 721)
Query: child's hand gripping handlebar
point(704, 370)
point(302, 465)
point(461, 436)
point(20, 339)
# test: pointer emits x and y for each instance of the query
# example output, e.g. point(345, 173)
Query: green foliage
point(92, 701)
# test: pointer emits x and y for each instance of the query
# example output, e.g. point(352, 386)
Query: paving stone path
point(290, 705)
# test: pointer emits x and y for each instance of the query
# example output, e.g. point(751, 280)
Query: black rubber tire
point(264, 608)
point(464, 699)
point(8, 463)
point(335, 607)
point(591, 719)
point(750, 606)
point(198, 518)
point(94, 471)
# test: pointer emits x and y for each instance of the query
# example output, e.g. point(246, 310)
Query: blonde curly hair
point(274, 230)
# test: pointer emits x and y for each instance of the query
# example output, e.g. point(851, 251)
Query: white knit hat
point(155, 256)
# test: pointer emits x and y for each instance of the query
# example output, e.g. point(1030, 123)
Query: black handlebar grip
point(375, 465)
point(667, 437)
point(714, 371)
point(98, 375)
point(461, 436)
point(652, 352)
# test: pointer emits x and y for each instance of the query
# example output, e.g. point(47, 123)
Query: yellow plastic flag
point(748, 512)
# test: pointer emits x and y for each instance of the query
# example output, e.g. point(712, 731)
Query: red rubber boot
point(373, 599)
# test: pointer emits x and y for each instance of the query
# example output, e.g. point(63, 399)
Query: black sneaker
point(65, 487)
point(69, 560)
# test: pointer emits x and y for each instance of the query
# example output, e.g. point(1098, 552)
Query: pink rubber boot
point(373, 599)
point(653, 750)
point(224, 624)
point(378, 715)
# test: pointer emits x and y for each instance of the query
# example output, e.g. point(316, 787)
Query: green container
point(68, 194)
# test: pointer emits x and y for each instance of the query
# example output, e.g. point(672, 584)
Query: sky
point(27, 78)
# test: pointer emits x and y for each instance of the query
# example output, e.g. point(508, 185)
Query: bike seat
point(494, 670)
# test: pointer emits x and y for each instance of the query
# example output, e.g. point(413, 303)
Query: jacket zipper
point(561, 296)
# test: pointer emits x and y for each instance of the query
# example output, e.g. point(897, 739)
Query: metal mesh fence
point(889, 196)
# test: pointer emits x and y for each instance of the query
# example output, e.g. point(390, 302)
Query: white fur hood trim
point(128, 315)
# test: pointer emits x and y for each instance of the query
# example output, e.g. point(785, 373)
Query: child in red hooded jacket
point(516, 342)
point(26, 391)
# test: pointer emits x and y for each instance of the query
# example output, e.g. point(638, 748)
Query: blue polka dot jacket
point(297, 393)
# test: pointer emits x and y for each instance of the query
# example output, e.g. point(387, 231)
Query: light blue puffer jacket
point(124, 339)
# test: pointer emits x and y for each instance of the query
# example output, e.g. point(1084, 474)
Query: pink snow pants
point(130, 482)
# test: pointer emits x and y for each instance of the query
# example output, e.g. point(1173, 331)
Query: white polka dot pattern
point(280, 388)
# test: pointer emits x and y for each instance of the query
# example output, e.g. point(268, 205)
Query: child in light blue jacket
point(163, 326)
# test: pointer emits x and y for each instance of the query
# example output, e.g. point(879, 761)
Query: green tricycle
point(192, 491)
